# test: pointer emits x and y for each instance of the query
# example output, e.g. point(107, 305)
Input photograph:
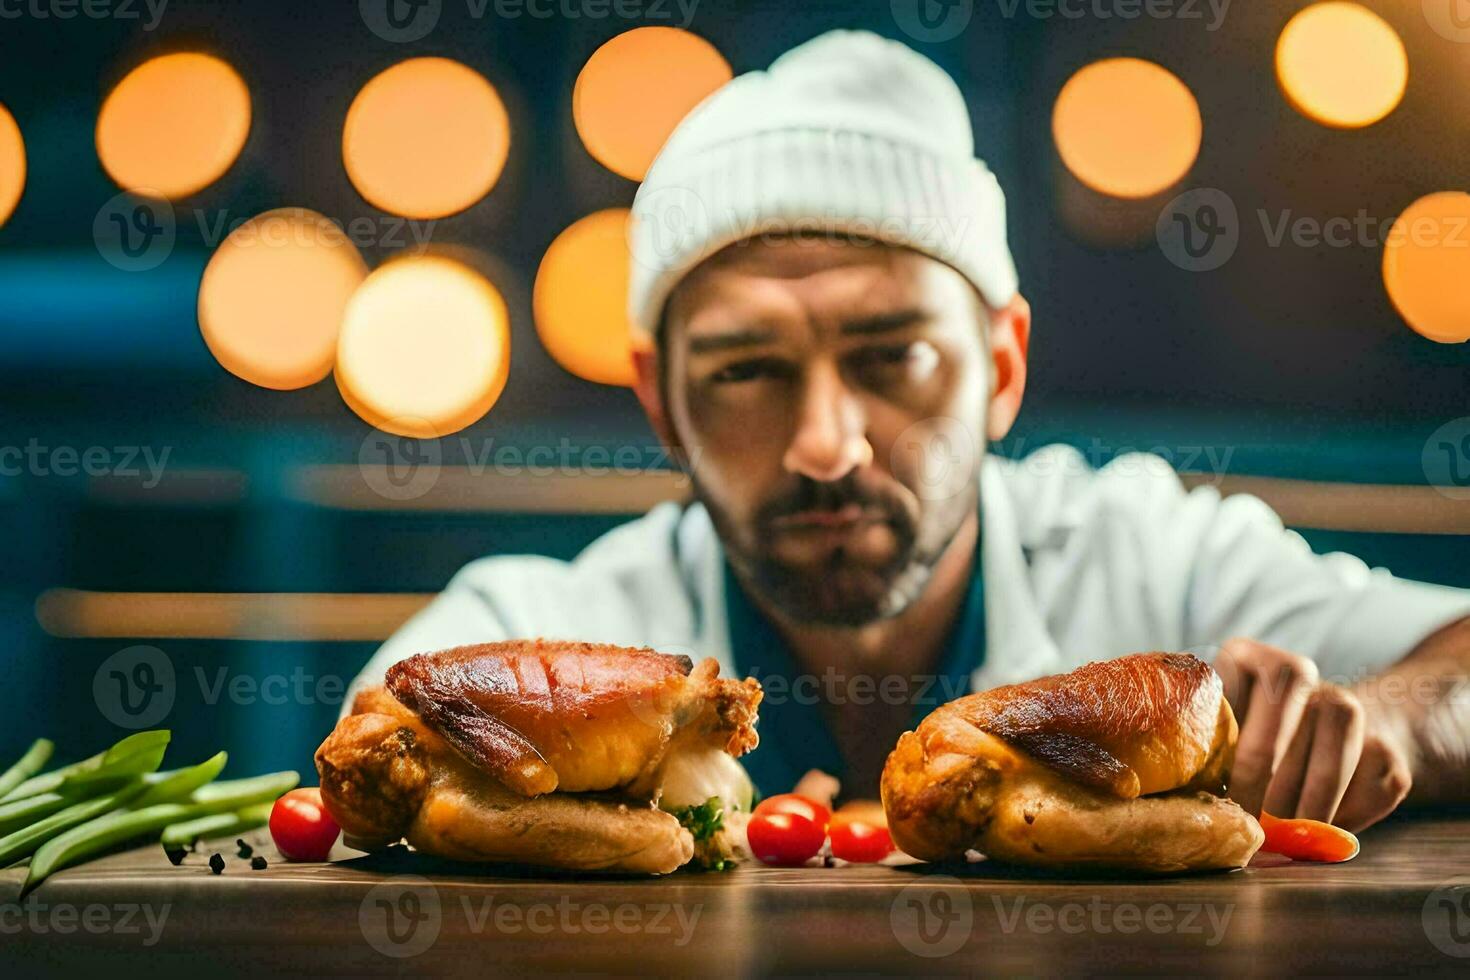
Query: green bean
point(80, 773)
point(171, 787)
point(20, 844)
point(19, 813)
point(217, 825)
point(28, 765)
point(126, 824)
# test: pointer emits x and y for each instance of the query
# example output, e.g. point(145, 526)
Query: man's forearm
point(1423, 702)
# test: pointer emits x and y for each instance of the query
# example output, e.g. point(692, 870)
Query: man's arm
point(1350, 755)
point(1423, 703)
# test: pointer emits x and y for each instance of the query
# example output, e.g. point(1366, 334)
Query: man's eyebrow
point(885, 322)
point(730, 339)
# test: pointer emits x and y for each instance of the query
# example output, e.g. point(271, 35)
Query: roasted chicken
point(1122, 764)
point(560, 754)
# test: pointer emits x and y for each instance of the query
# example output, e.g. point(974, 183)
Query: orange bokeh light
point(426, 138)
point(636, 88)
point(425, 347)
point(12, 164)
point(1126, 127)
point(1341, 65)
point(272, 297)
point(174, 125)
point(1426, 265)
point(581, 299)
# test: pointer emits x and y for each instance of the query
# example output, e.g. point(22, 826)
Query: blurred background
point(1206, 241)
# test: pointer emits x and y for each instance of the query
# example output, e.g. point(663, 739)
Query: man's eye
point(917, 358)
point(748, 371)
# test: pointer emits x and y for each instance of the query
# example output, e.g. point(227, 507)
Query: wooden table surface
point(1402, 906)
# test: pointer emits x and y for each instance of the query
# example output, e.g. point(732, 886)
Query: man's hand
point(1307, 748)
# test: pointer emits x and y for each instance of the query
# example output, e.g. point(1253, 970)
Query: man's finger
point(1282, 685)
point(1285, 789)
point(1379, 785)
point(1235, 679)
point(1337, 746)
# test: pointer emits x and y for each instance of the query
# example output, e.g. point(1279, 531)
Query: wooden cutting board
point(1395, 908)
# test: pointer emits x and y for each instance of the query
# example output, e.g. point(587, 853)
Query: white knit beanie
point(848, 133)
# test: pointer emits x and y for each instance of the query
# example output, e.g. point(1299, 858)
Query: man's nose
point(831, 438)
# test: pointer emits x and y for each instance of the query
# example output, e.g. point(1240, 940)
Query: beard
point(849, 584)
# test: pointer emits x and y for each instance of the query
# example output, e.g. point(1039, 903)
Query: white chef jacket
point(1079, 565)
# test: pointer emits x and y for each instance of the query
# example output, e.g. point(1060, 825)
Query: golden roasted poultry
point(569, 755)
point(1122, 764)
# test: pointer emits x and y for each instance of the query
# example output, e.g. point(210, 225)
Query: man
point(832, 333)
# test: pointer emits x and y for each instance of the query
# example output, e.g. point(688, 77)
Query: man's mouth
point(826, 519)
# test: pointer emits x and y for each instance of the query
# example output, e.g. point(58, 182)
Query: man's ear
point(650, 396)
point(1010, 338)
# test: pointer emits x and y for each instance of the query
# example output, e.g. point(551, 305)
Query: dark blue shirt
point(794, 736)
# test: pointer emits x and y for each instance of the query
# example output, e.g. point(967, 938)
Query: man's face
point(806, 381)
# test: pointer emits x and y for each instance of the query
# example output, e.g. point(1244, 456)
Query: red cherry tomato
point(301, 826)
point(802, 806)
point(784, 838)
point(860, 841)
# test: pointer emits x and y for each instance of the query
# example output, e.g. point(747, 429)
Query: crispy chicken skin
point(530, 752)
point(1121, 764)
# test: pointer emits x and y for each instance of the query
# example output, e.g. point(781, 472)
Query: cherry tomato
point(784, 838)
point(860, 841)
point(802, 806)
point(301, 826)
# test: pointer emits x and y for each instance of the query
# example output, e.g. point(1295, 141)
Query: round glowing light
point(1342, 65)
point(581, 299)
point(1426, 264)
point(1127, 127)
point(425, 347)
point(272, 297)
point(174, 125)
point(426, 139)
point(636, 88)
point(12, 164)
